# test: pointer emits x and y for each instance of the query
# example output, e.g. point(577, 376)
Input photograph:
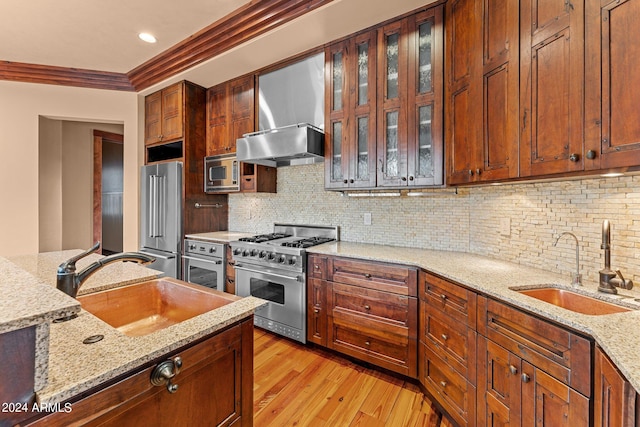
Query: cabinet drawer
point(374, 305)
point(453, 341)
point(452, 299)
point(397, 353)
point(555, 350)
point(448, 387)
point(384, 277)
point(317, 266)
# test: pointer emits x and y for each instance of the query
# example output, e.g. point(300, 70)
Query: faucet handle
point(624, 283)
point(69, 265)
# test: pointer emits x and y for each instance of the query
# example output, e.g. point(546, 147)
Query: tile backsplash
point(514, 222)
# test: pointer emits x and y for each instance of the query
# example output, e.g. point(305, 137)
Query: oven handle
point(218, 262)
point(282, 276)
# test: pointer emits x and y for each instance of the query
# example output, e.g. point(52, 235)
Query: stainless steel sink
point(573, 301)
point(146, 307)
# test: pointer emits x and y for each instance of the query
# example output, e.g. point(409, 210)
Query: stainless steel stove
point(273, 267)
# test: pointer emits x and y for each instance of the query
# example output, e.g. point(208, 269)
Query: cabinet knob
point(470, 172)
point(316, 266)
point(478, 171)
point(443, 384)
point(591, 154)
point(315, 310)
point(367, 275)
point(367, 307)
point(444, 337)
point(526, 378)
point(443, 297)
point(164, 373)
point(513, 369)
point(574, 157)
point(368, 343)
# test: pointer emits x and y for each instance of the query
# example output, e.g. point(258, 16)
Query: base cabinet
point(615, 399)
point(214, 388)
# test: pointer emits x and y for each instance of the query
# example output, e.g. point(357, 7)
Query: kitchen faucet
point(608, 280)
point(576, 277)
point(68, 281)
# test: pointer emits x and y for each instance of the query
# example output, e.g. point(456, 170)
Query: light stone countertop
point(74, 367)
point(615, 333)
point(220, 236)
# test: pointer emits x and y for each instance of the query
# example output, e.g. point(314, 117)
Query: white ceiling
point(102, 35)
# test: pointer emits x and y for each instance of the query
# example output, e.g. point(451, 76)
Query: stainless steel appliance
point(161, 215)
point(273, 267)
point(203, 263)
point(221, 174)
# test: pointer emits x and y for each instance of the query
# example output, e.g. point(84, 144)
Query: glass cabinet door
point(337, 99)
point(425, 154)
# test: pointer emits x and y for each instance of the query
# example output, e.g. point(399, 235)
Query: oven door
point(285, 292)
point(209, 272)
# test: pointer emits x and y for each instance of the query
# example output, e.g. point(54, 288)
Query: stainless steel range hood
point(299, 144)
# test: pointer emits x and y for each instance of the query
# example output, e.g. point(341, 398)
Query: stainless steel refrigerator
point(161, 216)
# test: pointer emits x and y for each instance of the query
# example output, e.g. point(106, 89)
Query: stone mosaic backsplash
point(512, 222)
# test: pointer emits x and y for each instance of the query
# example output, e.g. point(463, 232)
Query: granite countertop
point(219, 236)
point(495, 278)
point(74, 367)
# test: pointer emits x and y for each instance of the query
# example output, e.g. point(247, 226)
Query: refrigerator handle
point(153, 206)
point(161, 207)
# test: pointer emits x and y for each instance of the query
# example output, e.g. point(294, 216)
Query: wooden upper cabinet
point(612, 70)
point(483, 82)
point(551, 87)
point(230, 114)
point(164, 119)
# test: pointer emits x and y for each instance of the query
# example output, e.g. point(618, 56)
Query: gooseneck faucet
point(608, 280)
point(576, 277)
point(69, 282)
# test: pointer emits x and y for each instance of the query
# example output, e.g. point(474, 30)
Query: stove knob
point(237, 251)
point(253, 252)
point(271, 256)
point(245, 253)
point(282, 259)
point(212, 250)
point(292, 260)
point(192, 247)
point(262, 254)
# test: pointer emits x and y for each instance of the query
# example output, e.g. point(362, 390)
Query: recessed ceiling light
point(147, 37)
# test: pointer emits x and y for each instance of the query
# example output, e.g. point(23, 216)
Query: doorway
point(107, 190)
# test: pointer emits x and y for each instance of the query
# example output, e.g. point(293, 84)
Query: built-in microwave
point(221, 174)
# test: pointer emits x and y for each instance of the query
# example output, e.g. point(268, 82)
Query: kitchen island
point(68, 368)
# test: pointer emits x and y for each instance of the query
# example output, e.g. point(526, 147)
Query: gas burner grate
point(261, 238)
point(307, 242)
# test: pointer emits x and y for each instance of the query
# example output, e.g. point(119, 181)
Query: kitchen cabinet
point(164, 114)
point(214, 387)
point(614, 397)
point(482, 75)
point(530, 369)
point(447, 350)
point(231, 114)
point(370, 310)
point(551, 87)
point(383, 103)
point(350, 106)
point(612, 140)
point(18, 351)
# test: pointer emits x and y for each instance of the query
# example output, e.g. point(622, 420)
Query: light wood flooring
point(297, 385)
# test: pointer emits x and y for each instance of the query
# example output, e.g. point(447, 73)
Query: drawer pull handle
point(525, 378)
point(443, 384)
point(366, 307)
point(513, 369)
point(367, 275)
point(445, 337)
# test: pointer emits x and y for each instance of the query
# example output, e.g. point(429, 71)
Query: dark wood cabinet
point(481, 109)
point(612, 139)
point(164, 115)
point(614, 397)
point(231, 114)
point(18, 352)
point(366, 310)
point(551, 87)
point(215, 387)
point(383, 103)
point(447, 352)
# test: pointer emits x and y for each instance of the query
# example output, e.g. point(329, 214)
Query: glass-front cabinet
point(384, 106)
point(350, 136)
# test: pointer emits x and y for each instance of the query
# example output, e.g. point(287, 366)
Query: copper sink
point(573, 301)
point(146, 307)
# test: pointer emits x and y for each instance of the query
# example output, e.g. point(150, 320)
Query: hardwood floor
point(296, 385)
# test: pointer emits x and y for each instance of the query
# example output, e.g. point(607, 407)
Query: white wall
point(21, 105)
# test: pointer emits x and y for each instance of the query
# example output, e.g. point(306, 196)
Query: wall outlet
point(505, 227)
point(367, 218)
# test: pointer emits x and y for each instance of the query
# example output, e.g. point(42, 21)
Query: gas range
point(284, 248)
